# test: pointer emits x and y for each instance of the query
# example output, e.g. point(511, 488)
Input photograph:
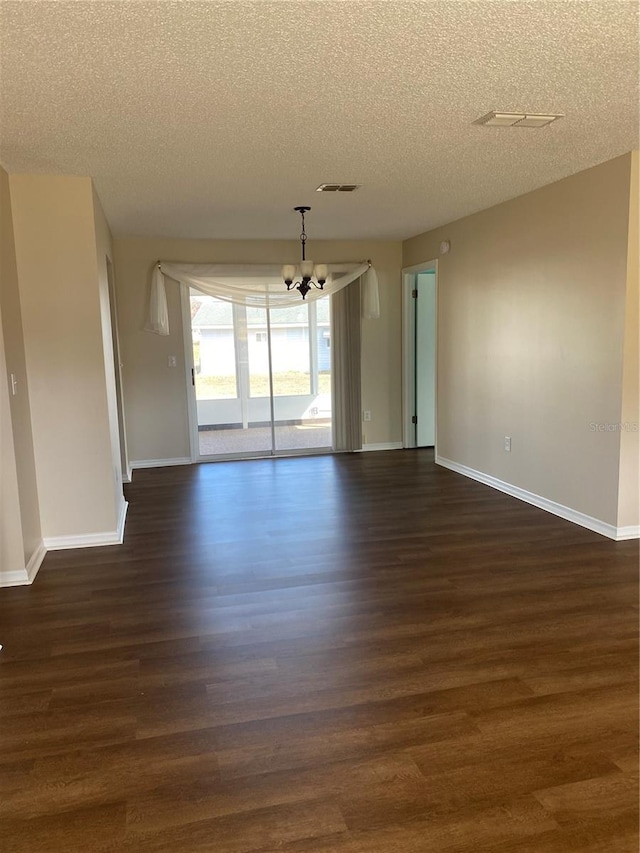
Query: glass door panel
point(323, 349)
point(302, 414)
point(262, 378)
point(221, 379)
point(253, 328)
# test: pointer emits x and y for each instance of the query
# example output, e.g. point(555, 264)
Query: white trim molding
point(17, 577)
point(631, 532)
point(122, 517)
point(569, 514)
point(159, 463)
point(387, 445)
point(22, 577)
point(408, 349)
point(90, 540)
point(35, 561)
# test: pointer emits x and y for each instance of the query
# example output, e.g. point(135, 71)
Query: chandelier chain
point(303, 236)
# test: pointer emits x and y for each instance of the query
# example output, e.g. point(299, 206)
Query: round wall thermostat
point(444, 247)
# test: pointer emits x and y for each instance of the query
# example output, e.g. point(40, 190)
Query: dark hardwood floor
point(339, 654)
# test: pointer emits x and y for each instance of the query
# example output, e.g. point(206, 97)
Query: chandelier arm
point(309, 281)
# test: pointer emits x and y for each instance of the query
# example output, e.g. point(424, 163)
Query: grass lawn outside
point(289, 384)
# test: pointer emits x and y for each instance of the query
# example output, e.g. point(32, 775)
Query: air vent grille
point(496, 119)
point(338, 188)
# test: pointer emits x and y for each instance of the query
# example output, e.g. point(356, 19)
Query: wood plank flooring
point(361, 653)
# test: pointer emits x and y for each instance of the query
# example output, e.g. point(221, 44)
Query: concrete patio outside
point(307, 436)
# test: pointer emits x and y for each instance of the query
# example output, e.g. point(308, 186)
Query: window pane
point(290, 351)
point(214, 354)
point(322, 308)
point(258, 349)
point(324, 351)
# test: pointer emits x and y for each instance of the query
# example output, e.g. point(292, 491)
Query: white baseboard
point(17, 577)
point(388, 445)
point(160, 463)
point(569, 514)
point(122, 517)
point(21, 577)
point(36, 561)
point(126, 475)
point(90, 540)
point(86, 540)
point(630, 532)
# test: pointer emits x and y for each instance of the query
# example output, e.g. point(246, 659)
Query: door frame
point(189, 367)
point(409, 353)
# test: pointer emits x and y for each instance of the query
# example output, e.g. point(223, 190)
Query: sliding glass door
point(261, 378)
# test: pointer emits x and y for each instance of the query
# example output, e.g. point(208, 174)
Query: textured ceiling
point(213, 119)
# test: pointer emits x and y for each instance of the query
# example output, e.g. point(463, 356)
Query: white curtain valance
point(259, 285)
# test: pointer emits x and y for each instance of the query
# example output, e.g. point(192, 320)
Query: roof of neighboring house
point(217, 313)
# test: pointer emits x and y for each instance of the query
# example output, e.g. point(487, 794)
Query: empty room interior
point(319, 426)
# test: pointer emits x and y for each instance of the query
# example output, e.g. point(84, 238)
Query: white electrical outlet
point(507, 443)
point(366, 416)
point(172, 361)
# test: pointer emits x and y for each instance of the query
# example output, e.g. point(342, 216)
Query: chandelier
point(307, 271)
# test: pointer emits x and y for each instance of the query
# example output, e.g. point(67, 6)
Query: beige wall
point(155, 395)
point(531, 312)
point(53, 220)
point(628, 498)
point(17, 434)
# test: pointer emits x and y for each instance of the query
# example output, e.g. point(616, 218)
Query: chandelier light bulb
point(321, 273)
point(289, 273)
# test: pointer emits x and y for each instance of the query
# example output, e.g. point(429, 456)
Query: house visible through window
point(261, 337)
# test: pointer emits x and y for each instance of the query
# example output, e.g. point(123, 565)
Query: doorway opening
point(420, 291)
point(260, 381)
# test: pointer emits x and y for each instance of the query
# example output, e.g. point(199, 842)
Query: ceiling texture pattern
point(213, 119)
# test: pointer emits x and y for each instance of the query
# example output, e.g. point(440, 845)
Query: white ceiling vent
point(495, 119)
point(338, 188)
